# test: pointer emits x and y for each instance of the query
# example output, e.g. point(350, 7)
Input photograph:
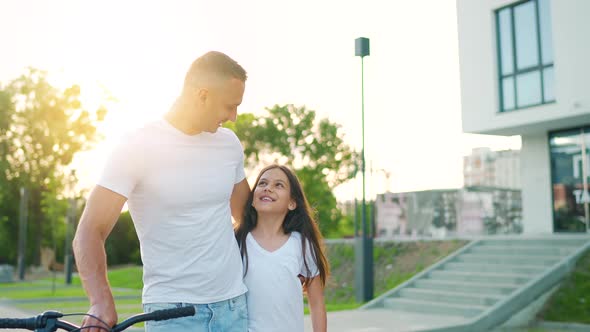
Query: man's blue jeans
point(224, 316)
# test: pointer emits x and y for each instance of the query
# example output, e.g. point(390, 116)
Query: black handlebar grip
point(19, 323)
point(172, 313)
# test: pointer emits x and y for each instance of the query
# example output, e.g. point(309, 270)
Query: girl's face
point(273, 193)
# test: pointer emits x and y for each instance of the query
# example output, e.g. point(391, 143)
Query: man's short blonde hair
point(213, 67)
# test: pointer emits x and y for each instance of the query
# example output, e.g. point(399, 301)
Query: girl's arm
point(317, 305)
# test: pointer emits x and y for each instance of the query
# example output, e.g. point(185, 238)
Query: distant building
point(346, 207)
point(440, 213)
point(485, 167)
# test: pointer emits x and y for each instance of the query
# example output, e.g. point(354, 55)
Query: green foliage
point(54, 210)
point(7, 202)
point(41, 129)
point(6, 250)
point(321, 199)
point(313, 148)
point(369, 214)
point(122, 245)
point(48, 127)
point(571, 302)
point(345, 228)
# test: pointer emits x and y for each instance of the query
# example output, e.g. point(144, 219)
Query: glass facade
point(525, 55)
point(570, 175)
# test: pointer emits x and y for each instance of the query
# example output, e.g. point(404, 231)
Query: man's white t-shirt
point(178, 188)
point(275, 294)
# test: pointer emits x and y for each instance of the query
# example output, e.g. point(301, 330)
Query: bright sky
point(298, 52)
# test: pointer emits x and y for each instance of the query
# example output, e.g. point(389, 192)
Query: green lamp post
point(364, 240)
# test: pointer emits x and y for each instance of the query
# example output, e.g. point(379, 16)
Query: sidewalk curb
point(563, 326)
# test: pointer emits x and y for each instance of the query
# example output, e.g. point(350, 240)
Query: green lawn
point(45, 291)
point(533, 330)
point(571, 302)
point(122, 277)
point(125, 282)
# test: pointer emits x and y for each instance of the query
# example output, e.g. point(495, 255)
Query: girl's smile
point(273, 187)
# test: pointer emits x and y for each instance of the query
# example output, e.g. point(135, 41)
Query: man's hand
point(106, 313)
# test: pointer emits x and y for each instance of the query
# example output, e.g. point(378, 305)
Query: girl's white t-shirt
point(275, 293)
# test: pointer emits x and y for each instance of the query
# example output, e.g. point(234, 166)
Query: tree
point(122, 245)
point(313, 148)
point(7, 240)
point(41, 129)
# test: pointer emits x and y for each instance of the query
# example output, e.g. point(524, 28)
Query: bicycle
point(49, 321)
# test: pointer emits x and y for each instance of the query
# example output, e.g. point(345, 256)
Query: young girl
point(282, 251)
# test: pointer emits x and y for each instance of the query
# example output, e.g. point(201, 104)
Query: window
point(525, 55)
point(570, 176)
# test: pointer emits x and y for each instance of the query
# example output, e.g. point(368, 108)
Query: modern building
point(525, 71)
point(484, 167)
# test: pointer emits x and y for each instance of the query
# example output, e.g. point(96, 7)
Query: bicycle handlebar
point(19, 323)
point(163, 314)
point(48, 321)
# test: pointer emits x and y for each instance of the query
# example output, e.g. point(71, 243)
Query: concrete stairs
point(486, 282)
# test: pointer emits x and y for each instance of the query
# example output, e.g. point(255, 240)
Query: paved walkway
point(382, 320)
point(10, 312)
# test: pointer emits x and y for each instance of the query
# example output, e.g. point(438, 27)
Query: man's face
point(221, 104)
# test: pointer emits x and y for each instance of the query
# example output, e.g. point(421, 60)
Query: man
point(181, 177)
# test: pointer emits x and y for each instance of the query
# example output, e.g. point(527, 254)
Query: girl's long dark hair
point(300, 219)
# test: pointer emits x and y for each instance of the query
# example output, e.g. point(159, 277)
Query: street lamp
point(70, 223)
point(22, 233)
point(364, 242)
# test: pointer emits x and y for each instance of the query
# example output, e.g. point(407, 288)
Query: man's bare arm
point(239, 196)
point(98, 219)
